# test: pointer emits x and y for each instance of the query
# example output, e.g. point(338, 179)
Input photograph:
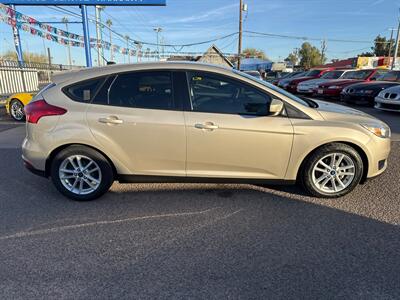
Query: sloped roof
point(215, 49)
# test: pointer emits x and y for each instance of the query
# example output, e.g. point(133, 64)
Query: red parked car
point(333, 88)
point(312, 74)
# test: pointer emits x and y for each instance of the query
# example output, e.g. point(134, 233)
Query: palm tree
point(109, 24)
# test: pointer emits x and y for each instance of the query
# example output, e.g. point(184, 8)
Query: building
point(214, 56)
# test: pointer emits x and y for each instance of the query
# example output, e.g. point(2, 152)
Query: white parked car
point(310, 86)
point(389, 99)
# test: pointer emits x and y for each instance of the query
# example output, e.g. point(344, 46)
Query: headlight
point(334, 87)
point(379, 130)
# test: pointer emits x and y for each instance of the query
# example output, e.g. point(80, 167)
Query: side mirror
point(276, 107)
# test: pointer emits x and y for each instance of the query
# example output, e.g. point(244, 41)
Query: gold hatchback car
point(190, 122)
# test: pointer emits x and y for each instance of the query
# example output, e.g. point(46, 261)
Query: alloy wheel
point(80, 174)
point(17, 110)
point(333, 173)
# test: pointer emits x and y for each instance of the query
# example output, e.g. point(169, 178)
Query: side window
point(151, 90)
point(378, 74)
point(217, 94)
point(83, 91)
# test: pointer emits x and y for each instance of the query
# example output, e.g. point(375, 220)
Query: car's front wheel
point(81, 173)
point(332, 171)
point(17, 110)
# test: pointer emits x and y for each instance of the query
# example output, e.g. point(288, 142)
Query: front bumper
point(385, 104)
point(379, 150)
point(358, 98)
point(328, 93)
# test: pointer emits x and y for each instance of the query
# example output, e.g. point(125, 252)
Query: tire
point(81, 173)
point(337, 178)
point(17, 110)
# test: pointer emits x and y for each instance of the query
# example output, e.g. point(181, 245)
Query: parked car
point(312, 74)
point(15, 105)
point(190, 122)
point(310, 86)
point(254, 73)
point(284, 82)
point(275, 76)
point(389, 99)
point(365, 92)
point(333, 88)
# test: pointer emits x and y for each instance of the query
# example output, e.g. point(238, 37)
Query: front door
point(229, 132)
point(136, 118)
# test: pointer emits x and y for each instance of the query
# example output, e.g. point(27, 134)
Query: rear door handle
point(113, 120)
point(207, 126)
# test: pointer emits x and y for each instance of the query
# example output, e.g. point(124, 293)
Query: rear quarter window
point(83, 91)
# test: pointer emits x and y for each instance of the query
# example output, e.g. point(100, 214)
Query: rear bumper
point(32, 169)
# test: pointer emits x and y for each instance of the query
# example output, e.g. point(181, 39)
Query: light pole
point(109, 24)
point(65, 20)
point(127, 38)
point(98, 10)
point(158, 30)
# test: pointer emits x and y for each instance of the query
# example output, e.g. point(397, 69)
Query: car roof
point(87, 73)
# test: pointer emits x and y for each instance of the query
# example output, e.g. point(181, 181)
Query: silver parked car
point(389, 99)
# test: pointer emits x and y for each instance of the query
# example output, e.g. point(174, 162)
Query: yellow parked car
point(15, 105)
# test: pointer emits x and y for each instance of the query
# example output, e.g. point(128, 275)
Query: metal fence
point(26, 77)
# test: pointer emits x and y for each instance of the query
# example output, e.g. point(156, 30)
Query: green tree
point(293, 57)
point(381, 47)
point(310, 56)
point(253, 52)
point(27, 56)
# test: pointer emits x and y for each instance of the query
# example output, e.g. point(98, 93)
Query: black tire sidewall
point(107, 174)
point(306, 177)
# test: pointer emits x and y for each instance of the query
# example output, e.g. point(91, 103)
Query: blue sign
point(87, 2)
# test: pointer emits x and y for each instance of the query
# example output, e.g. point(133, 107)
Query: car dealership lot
point(197, 240)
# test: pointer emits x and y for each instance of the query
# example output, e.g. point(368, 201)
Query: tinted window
point(217, 94)
point(362, 74)
point(151, 90)
point(313, 73)
point(332, 75)
point(378, 74)
point(83, 91)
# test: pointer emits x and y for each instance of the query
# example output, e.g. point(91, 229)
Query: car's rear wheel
point(81, 173)
point(17, 110)
point(332, 171)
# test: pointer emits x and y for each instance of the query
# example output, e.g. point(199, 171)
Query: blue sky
point(190, 21)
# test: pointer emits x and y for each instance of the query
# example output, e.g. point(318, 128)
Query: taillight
point(40, 108)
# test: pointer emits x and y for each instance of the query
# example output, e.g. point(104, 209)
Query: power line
point(274, 35)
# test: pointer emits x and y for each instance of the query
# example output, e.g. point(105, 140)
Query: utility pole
point(98, 9)
point(158, 30)
point(242, 8)
point(65, 20)
point(390, 43)
point(396, 49)
point(109, 23)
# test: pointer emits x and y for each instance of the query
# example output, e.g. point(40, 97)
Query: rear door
point(136, 117)
point(229, 133)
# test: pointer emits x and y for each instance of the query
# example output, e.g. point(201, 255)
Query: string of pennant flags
point(51, 33)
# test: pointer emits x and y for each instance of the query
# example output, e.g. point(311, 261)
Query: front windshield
point(332, 75)
point(361, 74)
point(390, 76)
point(313, 73)
point(273, 87)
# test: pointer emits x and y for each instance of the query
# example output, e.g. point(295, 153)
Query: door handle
point(207, 126)
point(113, 120)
